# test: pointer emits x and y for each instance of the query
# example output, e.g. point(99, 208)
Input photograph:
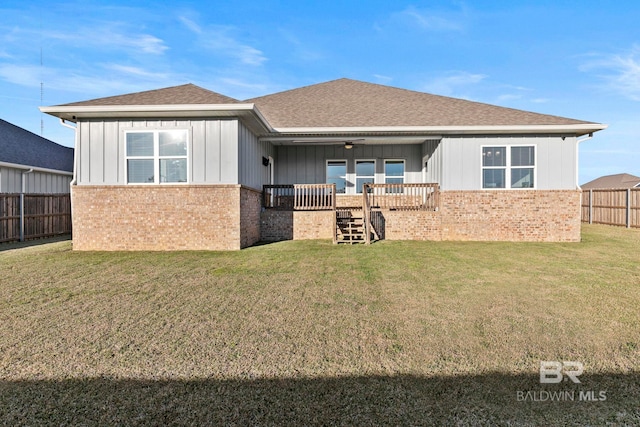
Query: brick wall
point(348, 200)
point(412, 225)
point(296, 225)
point(527, 215)
point(171, 217)
point(250, 206)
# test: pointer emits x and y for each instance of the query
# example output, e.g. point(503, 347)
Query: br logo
point(553, 372)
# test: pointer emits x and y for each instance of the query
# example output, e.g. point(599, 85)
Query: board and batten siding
point(251, 151)
point(36, 182)
point(462, 160)
point(432, 153)
point(212, 151)
point(307, 164)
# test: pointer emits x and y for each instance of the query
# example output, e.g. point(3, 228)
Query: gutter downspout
point(75, 164)
point(22, 191)
point(578, 141)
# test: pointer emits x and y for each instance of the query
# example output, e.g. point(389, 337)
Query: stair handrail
point(366, 210)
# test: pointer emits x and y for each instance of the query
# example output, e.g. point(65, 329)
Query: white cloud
point(620, 72)
point(137, 72)
point(191, 25)
point(383, 78)
point(90, 83)
point(428, 20)
point(218, 39)
point(452, 82)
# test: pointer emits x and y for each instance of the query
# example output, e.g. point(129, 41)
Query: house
point(187, 168)
point(621, 180)
point(32, 164)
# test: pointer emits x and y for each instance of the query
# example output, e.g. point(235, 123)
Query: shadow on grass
point(35, 242)
point(377, 400)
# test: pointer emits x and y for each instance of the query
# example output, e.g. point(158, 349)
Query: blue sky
point(578, 59)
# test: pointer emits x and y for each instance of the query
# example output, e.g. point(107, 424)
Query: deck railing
point(403, 196)
point(306, 197)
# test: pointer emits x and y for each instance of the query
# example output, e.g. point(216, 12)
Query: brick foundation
point(296, 225)
point(250, 206)
point(229, 217)
point(527, 215)
point(171, 217)
point(412, 225)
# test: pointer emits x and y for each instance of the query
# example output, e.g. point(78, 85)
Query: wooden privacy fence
point(30, 216)
point(306, 197)
point(612, 207)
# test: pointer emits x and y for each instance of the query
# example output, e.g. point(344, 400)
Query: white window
point(337, 174)
point(155, 157)
point(394, 174)
point(508, 167)
point(365, 173)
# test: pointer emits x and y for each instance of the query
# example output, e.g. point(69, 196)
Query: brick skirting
point(229, 217)
point(171, 217)
point(511, 215)
point(278, 225)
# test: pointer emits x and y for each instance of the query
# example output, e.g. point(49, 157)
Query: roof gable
point(22, 147)
point(175, 95)
point(352, 103)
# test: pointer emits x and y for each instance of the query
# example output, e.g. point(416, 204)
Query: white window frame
point(156, 156)
point(355, 172)
point(384, 172)
point(508, 168)
point(346, 173)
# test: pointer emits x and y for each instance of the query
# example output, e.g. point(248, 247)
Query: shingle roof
point(22, 147)
point(621, 180)
point(352, 103)
point(176, 95)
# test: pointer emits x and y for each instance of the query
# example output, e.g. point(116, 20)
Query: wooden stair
point(350, 228)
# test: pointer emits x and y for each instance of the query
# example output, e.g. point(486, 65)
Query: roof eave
point(248, 113)
point(35, 168)
point(572, 129)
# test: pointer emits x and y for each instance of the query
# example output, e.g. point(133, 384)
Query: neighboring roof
point(621, 180)
point(184, 94)
point(352, 103)
point(21, 147)
point(340, 106)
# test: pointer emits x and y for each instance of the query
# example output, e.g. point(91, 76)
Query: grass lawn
point(306, 332)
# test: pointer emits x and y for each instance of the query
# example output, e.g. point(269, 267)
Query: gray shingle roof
point(22, 147)
point(352, 103)
point(176, 95)
point(621, 180)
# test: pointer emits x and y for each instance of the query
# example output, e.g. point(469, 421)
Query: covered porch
point(354, 218)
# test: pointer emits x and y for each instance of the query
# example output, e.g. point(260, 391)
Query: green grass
point(306, 332)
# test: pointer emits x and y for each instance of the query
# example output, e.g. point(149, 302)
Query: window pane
point(494, 156)
point(140, 144)
point(341, 184)
point(522, 156)
point(394, 168)
point(173, 170)
point(173, 143)
point(365, 167)
point(336, 169)
point(360, 182)
point(139, 171)
point(493, 178)
point(522, 178)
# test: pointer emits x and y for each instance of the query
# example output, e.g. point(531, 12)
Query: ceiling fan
point(348, 143)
